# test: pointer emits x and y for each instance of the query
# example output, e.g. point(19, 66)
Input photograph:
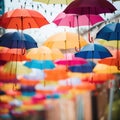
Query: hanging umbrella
point(102, 68)
point(22, 19)
point(73, 20)
point(40, 64)
point(44, 53)
point(112, 61)
point(82, 7)
point(7, 54)
point(54, 1)
point(93, 50)
point(70, 59)
point(85, 68)
point(99, 78)
point(15, 68)
point(64, 40)
point(56, 74)
point(36, 74)
point(17, 40)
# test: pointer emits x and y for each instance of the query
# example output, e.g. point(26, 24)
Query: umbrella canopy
point(22, 19)
point(40, 64)
point(102, 68)
point(82, 7)
point(17, 40)
point(99, 77)
point(93, 50)
point(7, 54)
point(56, 74)
point(85, 68)
point(109, 32)
point(16, 68)
point(73, 20)
point(65, 40)
point(44, 53)
point(69, 59)
point(54, 1)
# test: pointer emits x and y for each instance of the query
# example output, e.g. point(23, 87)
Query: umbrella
point(65, 40)
point(85, 68)
point(16, 68)
point(102, 68)
point(73, 20)
point(36, 74)
point(44, 53)
point(113, 61)
point(40, 64)
point(22, 19)
point(99, 77)
point(17, 40)
point(69, 59)
point(56, 74)
point(82, 7)
point(54, 1)
point(93, 50)
point(110, 32)
point(7, 54)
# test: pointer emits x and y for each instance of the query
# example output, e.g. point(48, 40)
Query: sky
point(50, 12)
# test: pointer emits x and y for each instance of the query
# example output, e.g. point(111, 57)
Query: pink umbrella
point(70, 59)
point(73, 20)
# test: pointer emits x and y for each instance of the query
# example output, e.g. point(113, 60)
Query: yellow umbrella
point(6, 98)
point(44, 53)
point(16, 68)
point(10, 86)
point(54, 1)
point(112, 43)
point(102, 68)
point(65, 40)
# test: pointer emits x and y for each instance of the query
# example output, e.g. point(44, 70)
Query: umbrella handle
point(118, 67)
point(77, 49)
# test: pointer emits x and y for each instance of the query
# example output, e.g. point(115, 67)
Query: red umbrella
point(22, 19)
point(82, 7)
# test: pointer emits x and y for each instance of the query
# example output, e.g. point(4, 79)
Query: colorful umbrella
point(40, 64)
point(7, 54)
point(17, 40)
point(56, 74)
point(82, 7)
point(69, 60)
point(102, 68)
point(54, 1)
point(44, 53)
point(22, 19)
point(99, 77)
point(85, 68)
point(65, 40)
point(93, 50)
point(16, 68)
point(73, 20)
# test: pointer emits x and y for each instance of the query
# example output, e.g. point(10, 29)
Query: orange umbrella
point(44, 53)
point(99, 77)
point(56, 74)
point(65, 40)
point(113, 61)
point(22, 19)
point(27, 82)
point(8, 54)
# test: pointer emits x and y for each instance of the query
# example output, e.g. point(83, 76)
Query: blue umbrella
point(40, 64)
point(109, 32)
point(17, 40)
point(93, 50)
point(85, 68)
